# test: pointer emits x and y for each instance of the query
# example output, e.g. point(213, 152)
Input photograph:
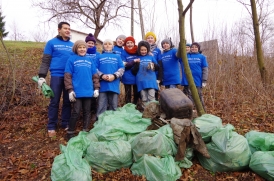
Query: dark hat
point(90, 37)
point(130, 38)
point(197, 44)
point(188, 44)
point(77, 44)
point(145, 44)
point(166, 41)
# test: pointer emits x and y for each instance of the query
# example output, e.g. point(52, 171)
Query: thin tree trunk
point(191, 25)
point(259, 51)
point(132, 18)
point(141, 19)
point(182, 51)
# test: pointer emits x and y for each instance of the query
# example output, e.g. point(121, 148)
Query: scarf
point(91, 50)
point(131, 51)
point(152, 47)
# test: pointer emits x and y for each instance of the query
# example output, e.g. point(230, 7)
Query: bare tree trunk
point(182, 54)
point(259, 51)
point(132, 18)
point(141, 19)
point(191, 25)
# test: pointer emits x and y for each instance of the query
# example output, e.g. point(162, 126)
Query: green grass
point(23, 44)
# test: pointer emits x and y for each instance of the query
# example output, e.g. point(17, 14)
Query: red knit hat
point(129, 38)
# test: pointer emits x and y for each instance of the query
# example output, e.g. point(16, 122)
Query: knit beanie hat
point(108, 41)
point(145, 44)
point(121, 37)
point(197, 44)
point(90, 37)
point(188, 44)
point(77, 44)
point(165, 41)
point(150, 34)
point(129, 38)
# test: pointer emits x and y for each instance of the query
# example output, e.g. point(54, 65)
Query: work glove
point(150, 66)
point(203, 84)
point(72, 96)
point(96, 93)
point(40, 82)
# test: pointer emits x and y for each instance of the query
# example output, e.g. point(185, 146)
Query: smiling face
point(90, 44)
point(194, 48)
point(166, 46)
point(187, 49)
point(64, 31)
point(81, 50)
point(150, 40)
point(120, 42)
point(143, 50)
point(130, 44)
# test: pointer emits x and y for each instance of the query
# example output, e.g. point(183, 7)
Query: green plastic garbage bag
point(46, 90)
point(157, 169)
point(155, 142)
point(79, 142)
point(262, 163)
point(186, 163)
point(260, 141)
point(228, 151)
point(114, 125)
point(69, 166)
point(109, 156)
point(207, 125)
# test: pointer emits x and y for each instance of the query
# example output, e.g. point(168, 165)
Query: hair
point(145, 44)
point(62, 23)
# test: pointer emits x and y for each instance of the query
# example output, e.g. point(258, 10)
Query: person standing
point(82, 83)
point(199, 69)
point(118, 47)
point(56, 54)
point(110, 69)
point(92, 53)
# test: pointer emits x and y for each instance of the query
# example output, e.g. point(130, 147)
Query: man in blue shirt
point(56, 54)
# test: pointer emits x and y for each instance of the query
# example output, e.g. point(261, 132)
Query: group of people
point(91, 80)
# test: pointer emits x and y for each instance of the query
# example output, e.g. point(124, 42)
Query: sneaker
point(51, 133)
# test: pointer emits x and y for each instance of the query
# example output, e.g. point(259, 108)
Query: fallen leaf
point(23, 171)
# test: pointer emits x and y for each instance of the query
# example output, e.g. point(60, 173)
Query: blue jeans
point(107, 100)
point(58, 87)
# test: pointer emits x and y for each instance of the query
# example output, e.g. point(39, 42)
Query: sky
point(21, 17)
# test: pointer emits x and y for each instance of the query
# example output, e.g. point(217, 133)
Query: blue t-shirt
point(109, 63)
point(171, 68)
point(93, 56)
point(196, 63)
point(128, 77)
point(60, 51)
point(118, 50)
point(146, 79)
point(82, 69)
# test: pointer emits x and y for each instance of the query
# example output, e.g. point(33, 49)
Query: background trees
point(3, 32)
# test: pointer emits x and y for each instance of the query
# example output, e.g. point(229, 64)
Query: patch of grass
point(23, 44)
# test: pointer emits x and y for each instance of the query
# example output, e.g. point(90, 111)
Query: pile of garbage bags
point(120, 139)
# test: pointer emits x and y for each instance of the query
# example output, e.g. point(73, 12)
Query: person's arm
point(46, 59)
point(96, 81)
point(68, 82)
point(204, 74)
point(135, 68)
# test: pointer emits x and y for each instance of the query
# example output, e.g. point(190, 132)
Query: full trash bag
point(262, 163)
point(46, 90)
point(115, 125)
point(207, 125)
point(155, 142)
point(228, 151)
point(157, 169)
point(69, 166)
point(106, 156)
point(260, 141)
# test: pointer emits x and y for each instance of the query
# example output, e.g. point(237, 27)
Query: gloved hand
point(96, 93)
point(40, 82)
point(124, 63)
point(158, 81)
point(150, 66)
point(203, 84)
point(72, 96)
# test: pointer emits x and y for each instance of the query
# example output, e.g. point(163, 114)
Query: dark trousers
point(81, 103)
point(128, 93)
point(94, 105)
point(187, 92)
point(58, 88)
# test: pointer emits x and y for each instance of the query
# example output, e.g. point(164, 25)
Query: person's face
point(120, 42)
point(108, 46)
point(150, 40)
point(143, 50)
point(194, 49)
point(90, 44)
point(166, 46)
point(187, 49)
point(64, 31)
point(129, 44)
point(81, 50)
